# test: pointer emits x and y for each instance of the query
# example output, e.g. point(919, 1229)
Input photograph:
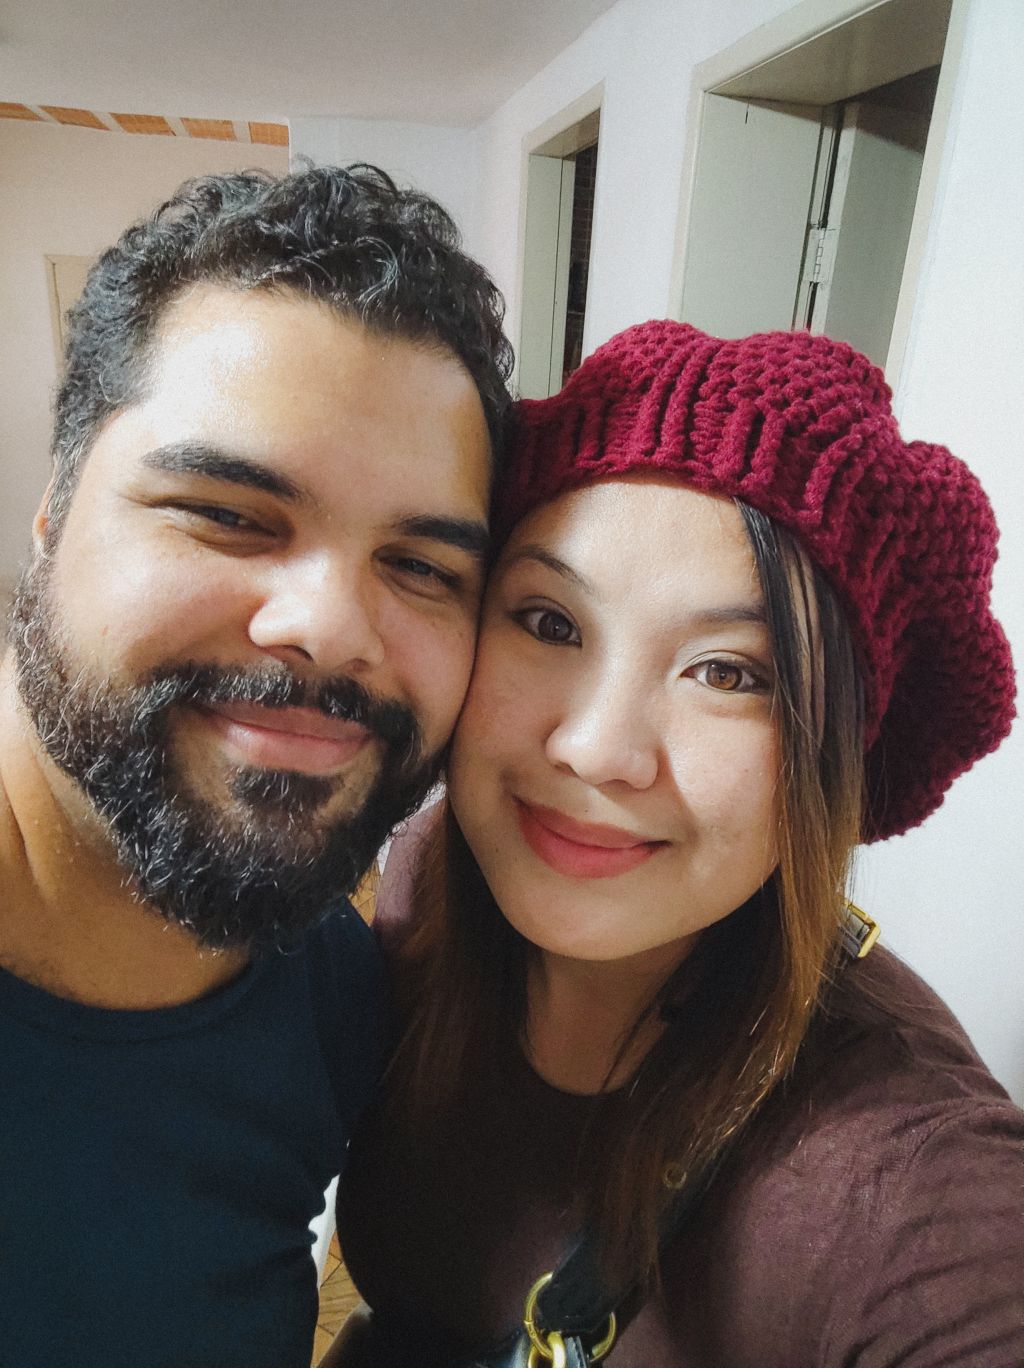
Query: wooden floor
point(337, 1299)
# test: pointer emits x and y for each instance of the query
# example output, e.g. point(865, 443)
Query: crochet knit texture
point(800, 427)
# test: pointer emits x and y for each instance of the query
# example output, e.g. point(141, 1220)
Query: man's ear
point(41, 522)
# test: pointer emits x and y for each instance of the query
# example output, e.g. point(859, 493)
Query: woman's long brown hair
point(737, 1008)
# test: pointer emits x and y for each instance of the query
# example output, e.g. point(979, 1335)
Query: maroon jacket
point(875, 1218)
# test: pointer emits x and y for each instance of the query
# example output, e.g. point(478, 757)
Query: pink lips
point(300, 739)
point(578, 849)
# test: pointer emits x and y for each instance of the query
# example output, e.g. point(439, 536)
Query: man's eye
point(726, 676)
point(549, 626)
point(415, 568)
point(227, 518)
point(412, 566)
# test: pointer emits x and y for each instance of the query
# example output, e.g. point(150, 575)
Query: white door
point(66, 280)
point(855, 259)
point(748, 221)
point(546, 253)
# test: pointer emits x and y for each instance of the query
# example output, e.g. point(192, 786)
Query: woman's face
point(615, 767)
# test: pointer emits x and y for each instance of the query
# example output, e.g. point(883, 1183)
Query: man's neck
point(68, 922)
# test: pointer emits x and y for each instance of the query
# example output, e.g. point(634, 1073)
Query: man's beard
point(262, 870)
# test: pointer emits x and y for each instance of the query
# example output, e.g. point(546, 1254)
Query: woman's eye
point(549, 626)
point(726, 676)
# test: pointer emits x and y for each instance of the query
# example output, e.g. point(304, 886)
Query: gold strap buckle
point(553, 1351)
point(858, 932)
point(551, 1347)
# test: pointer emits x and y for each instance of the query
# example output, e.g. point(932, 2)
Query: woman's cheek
point(496, 693)
point(725, 768)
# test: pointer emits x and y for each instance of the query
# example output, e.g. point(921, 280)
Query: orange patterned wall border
point(223, 130)
point(17, 111)
point(271, 134)
point(80, 118)
point(144, 123)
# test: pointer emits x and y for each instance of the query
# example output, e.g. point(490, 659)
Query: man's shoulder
point(342, 938)
point(345, 969)
point(349, 1002)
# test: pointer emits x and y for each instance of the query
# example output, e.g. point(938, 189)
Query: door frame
point(800, 25)
point(547, 242)
point(555, 137)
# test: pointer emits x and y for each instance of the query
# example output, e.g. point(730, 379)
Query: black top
point(160, 1168)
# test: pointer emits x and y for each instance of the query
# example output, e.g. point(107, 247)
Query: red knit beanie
point(800, 427)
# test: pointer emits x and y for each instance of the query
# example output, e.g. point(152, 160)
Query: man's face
point(253, 635)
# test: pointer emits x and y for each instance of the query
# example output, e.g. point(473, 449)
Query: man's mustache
point(272, 687)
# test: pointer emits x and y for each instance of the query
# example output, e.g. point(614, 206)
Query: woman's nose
point(325, 612)
point(606, 735)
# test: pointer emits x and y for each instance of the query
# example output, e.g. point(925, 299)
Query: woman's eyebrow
point(719, 615)
point(535, 552)
point(727, 615)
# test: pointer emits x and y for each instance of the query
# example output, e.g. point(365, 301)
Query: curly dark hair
point(389, 258)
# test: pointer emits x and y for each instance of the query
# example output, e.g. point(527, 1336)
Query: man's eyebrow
point(535, 552)
point(198, 458)
point(466, 534)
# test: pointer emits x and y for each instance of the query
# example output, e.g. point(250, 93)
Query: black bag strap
point(576, 1301)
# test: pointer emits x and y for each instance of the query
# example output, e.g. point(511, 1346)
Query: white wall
point(68, 191)
point(643, 52)
point(442, 162)
point(950, 895)
point(953, 892)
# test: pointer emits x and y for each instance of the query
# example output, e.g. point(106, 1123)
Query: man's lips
point(581, 850)
point(300, 739)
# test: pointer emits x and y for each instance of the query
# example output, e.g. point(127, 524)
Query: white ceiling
point(428, 61)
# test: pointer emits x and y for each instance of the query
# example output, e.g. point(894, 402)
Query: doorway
point(807, 175)
point(561, 183)
point(862, 210)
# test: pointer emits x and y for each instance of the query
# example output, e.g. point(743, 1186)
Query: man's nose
point(326, 611)
point(607, 734)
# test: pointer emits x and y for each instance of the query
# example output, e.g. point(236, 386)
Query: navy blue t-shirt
point(159, 1169)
